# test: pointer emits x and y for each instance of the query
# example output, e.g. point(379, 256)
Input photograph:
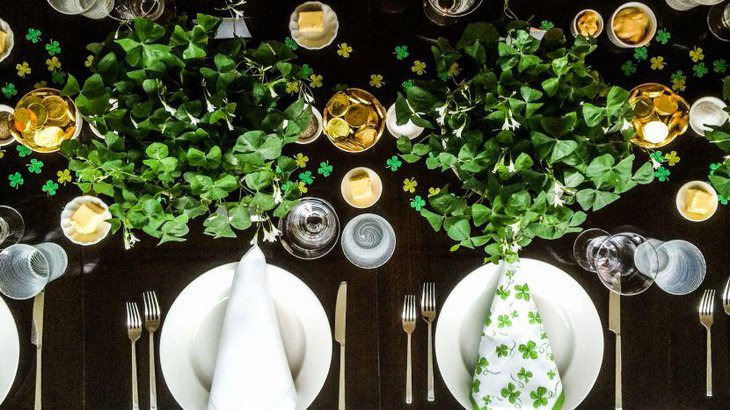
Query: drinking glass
point(131, 9)
point(718, 20)
point(446, 12)
point(72, 6)
point(626, 263)
point(100, 9)
point(12, 226)
point(682, 266)
point(311, 229)
point(25, 270)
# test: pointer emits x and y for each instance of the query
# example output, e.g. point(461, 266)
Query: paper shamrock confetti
point(657, 158)
point(340, 87)
point(2, 154)
point(291, 43)
point(546, 25)
point(700, 69)
point(16, 180)
point(292, 87)
point(23, 69)
point(722, 199)
point(89, 61)
point(315, 80)
point(53, 48)
point(64, 176)
point(407, 84)
point(417, 203)
point(393, 163)
point(376, 80)
point(696, 54)
point(35, 166)
point(679, 81)
point(672, 158)
point(23, 151)
point(641, 53)
point(714, 167)
point(419, 67)
point(454, 70)
point(50, 188)
point(409, 185)
point(41, 84)
point(325, 169)
point(9, 90)
point(53, 64)
point(306, 177)
point(662, 174)
point(663, 36)
point(443, 76)
point(401, 52)
point(719, 66)
point(307, 71)
point(433, 191)
point(33, 35)
point(301, 160)
point(58, 77)
point(657, 63)
point(628, 68)
point(344, 50)
point(302, 187)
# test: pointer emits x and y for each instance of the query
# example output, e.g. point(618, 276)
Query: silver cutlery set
point(409, 316)
point(152, 319)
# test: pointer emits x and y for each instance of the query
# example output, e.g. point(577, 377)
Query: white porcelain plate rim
point(9, 350)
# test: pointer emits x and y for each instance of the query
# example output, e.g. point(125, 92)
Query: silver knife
point(340, 318)
point(36, 337)
point(614, 325)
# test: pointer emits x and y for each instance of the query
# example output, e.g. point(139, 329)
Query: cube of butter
point(699, 201)
point(87, 218)
point(311, 21)
point(3, 38)
point(360, 187)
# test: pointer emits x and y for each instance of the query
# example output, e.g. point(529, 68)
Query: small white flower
point(626, 125)
point(509, 122)
point(270, 236)
point(278, 197)
point(441, 119)
point(655, 164)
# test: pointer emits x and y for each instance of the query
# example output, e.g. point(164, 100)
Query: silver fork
point(134, 331)
point(726, 297)
point(409, 325)
point(152, 323)
point(706, 309)
point(428, 311)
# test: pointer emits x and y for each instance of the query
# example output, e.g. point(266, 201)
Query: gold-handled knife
point(340, 318)
point(614, 325)
point(36, 337)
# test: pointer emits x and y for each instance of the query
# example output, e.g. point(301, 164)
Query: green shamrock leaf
point(662, 174)
point(33, 35)
point(291, 43)
point(678, 75)
point(663, 36)
point(58, 77)
point(641, 53)
point(502, 350)
point(503, 321)
point(522, 292)
point(417, 203)
point(475, 385)
point(9, 90)
point(515, 314)
point(407, 84)
point(16, 180)
point(482, 365)
point(546, 25)
point(510, 393)
point(443, 76)
point(325, 168)
point(502, 292)
point(700, 69)
point(714, 167)
point(722, 199)
point(339, 87)
point(628, 68)
point(401, 52)
point(524, 375)
point(307, 71)
point(306, 177)
point(393, 163)
point(50, 187)
point(719, 66)
point(53, 48)
point(528, 350)
point(487, 400)
point(539, 398)
point(551, 374)
point(534, 318)
point(35, 166)
point(657, 156)
point(23, 151)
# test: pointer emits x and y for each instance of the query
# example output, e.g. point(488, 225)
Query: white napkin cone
point(251, 371)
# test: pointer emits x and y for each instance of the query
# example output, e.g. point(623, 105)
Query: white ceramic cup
point(705, 112)
point(650, 32)
point(574, 24)
point(680, 199)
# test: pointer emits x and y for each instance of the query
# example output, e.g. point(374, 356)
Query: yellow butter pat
point(87, 218)
point(3, 37)
point(311, 21)
point(699, 202)
point(361, 187)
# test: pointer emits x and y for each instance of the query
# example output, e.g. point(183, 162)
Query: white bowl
point(314, 41)
point(408, 129)
point(651, 30)
point(680, 202)
point(697, 120)
point(69, 230)
point(574, 24)
point(318, 118)
point(377, 187)
point(9, 39)
point(8, 141)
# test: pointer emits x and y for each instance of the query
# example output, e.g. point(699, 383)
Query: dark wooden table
point(86, 350)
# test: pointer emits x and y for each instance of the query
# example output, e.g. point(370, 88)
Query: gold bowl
point(354, 120)
point(660, 115)
point(43, 119)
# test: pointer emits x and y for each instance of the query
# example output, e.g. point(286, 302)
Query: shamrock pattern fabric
point(516, 366)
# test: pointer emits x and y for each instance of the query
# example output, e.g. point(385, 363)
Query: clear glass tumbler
point(25, 270)
point(311, 229)
point(12, 226)
point(131, 9)
point(72, 6)
point(718, 20)
point(446, 12)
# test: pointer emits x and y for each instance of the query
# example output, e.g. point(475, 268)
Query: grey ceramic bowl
point(368, 241)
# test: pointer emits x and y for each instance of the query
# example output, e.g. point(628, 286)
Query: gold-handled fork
point(152, 323)
point(134, 331)
point(706, 310)
point(409, 325)
point(428, 311)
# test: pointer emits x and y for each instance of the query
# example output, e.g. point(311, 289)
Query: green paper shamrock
point(443, 76)
point(401, 52)
point(641, 53)
point(672, 158)
point(58, 77)
point(417, 203)
point(35, 166)
point(662, 174)
point(678, 75)
point(291, 43)
point(663, 36)
point(700, 69)
point(306, 177)
point(628, 68)
point(9, 90)
point(307, 71)
point(433, 191)
point(33, 35)
point(50, 188)
point(657, 156)
point(23, 151)
point(393, 163)
point(719, 66)
point(53, 48)
point(340, 87)
point(16, 180)
point(722, 199)
point(325, 169)
point(407, 84)
point(714, 167)
point(546, 25)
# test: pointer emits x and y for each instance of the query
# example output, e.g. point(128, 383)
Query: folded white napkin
point(251, 371)
point(516, 366)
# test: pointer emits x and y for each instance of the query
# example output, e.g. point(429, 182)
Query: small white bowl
point(70, 231)
point(697, 120)
point(7, 141)
point(680, 200)
point(9, 39)
point(318, 118)
point(408, 129)
point(377, 186)
point(651, 30)
point(574, 25)
point(314, 41)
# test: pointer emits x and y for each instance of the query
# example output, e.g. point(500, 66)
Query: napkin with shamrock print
point(516, 366)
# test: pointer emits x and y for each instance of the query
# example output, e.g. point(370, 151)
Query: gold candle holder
point(354, 120)
point(660, 115)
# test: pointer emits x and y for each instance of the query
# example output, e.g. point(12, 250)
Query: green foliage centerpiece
point(193, 127)
point(533, 134)
point(720, 136)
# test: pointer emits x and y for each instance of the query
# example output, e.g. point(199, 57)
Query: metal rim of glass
point(7, 212)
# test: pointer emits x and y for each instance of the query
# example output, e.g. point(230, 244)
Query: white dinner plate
point(570, 318)
point(9, 350)
point(190, 335)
